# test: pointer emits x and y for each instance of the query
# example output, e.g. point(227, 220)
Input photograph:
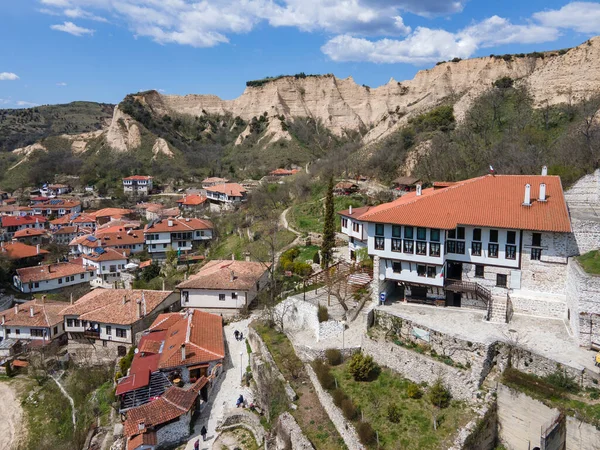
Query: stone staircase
point(498, 309)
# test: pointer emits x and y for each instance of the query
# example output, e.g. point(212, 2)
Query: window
point(479, 271)
point(451, 234)
point(186, 296)
point(421, 270)
point(431, 272)
point(477, 234)
point(536, 254)
point(460, 233)
point(396, 245)
point(72, 277)
point(164, 245)
point(153, 245)
point(421, 248)
point(434, 249)
point(408, 232)
point(222, 297)
point(344, 225)
point(69, 322)
point(501, 280)
point(17, 332)
point(493, 250)
point(108, 330)
point(396, 231)
point(511, 237)
point(450, 246)
point(7, 331)
point(55, 330)
point(511, 252)
point(421, 234)
point(434, 235)
point(476, 248)
point(356, 227)
point(234, 296)
point(460, 247)
point(35, 332)
point(409, 246)
point(493, 235)
point(82, 276)
point(379, 229)
point(76, 323)
point(121, 332)
point(397, 267)
point(379, 243)
point(36, 284)
point(536, 239)
point(60, 281)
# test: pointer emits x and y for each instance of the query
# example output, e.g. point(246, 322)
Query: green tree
point(328, 228)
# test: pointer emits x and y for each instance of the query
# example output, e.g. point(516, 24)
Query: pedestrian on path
point(203, 432)
point(197, 444)
point(240, 401)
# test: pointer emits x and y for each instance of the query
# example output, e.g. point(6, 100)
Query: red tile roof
point(109, 237)
point(45, 314)
point(111, 212)
point(192, 200)
point(18, 250)
point(215, 180)
point(12, 221)
point(138, 177)
point(144, 363)
point(66, 230)
point(106, 254)
point(29, 232)
point(226, 274)
point(488, 201)
point(283, 172)
point(148, 439)
point(178, 224)
point(230, 189)
point(49, 272)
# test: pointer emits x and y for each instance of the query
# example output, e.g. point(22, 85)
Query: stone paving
point(225, 394)
point(547, 337)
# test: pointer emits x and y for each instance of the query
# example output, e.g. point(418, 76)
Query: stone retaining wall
point(344, 427)
point(583, 300)
point(288, 434)
point(245, 419)
point(298, 314)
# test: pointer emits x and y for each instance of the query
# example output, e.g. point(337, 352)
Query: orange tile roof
point(49, 272)
point(226, 274)
point(109, 237)
point(356, 212)
point(200, 332)
point(232, 189)
point(29, 232)
point(15, 221)
point(86, 241)
point(116, 306)
point(45, 314)
point(178, 224)
point(192, 200)
point(145, 263)
point(148, 438)
point(283, 172)
point(109, 212)
point(66, 230)
point(18, 250)
point(138, 177)
point(215, 180)
point(106, 254)
point(487, 201)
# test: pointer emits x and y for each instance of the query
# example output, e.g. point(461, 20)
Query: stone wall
point(288, 434)
point(581, 435)
point(586, 234)
point(245, 419)
point(91, 352)
point(583, 301)
point(174, 432)
point(482, 432)
point(343, 426)
point(298, 314)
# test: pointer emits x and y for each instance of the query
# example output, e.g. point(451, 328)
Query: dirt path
point(11, 416)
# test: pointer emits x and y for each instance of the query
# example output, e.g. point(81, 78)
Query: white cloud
point(4, 76)
point(26, 104)
point(4, 101)
point(78, 13)
point(71, 28)
point(62, 83)
point(583, 17)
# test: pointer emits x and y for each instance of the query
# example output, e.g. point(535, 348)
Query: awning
point(131, 266)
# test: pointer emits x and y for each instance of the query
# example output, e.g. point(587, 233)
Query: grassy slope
point(309, 216)
point(21, 127)
point(590, 262)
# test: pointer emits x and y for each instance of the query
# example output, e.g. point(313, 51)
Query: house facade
point(49, 277)
point(57, 207)
point(106, 264)
point(180, 234)
point(224, 286)
point(12, 224)
point(493, 238)
point(228, 193)
point(137, 185)
point(35, 320)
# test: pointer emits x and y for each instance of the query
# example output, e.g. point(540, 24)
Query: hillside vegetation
point(22, 127)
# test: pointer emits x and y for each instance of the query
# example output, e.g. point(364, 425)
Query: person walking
point(203, 433)
point(236, 334)
point(197, 444)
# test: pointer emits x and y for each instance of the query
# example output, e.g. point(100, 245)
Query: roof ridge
point(204, 349)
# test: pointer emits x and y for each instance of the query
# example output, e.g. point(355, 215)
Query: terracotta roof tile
point(49, 272)
point(138, 177)
point(178, 224)
point(106, 254)
point(192, 200)
point(215, 180)
point(232, 189)
point(29, 232)
point(18, 250)
point(148, 438)
point(226, 274)
point(13, 221)
point(45, 314)
point(109, 212)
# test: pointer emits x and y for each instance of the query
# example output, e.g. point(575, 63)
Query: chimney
point(139, 305)
point(71, 299)
point(419, 187)
point(124, 299)
point(16, 309)
point(170, 223)
point(31, 311)
point(231, 276)
point(542, 196)
point(350, 210)
point(233, 256)
point(183, 352)
point(141, 425)
point(544, 171)
point(3, 319)
point(37, 249)
point(50, 268)
point(247, 256)
point(163, 285)
point(527, 199)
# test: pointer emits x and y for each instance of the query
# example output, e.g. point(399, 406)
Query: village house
point(227, 193)
point(178, 348)
point(224, 286)
point(213, 181)
point(52, 276)
point(345, 188)
point(192, 203)
point(283, 172)
point(137, 185)
point(180, 234)
point(38, 320)
point(57, 207)
point(107, 215)
point(106, 263)
point(120, 238)
point(22, 255)
point(405, 184)
point(54, 190)
point(11, 224)
point(32, 236)
point(478, 243)
point(82, 220)
point(112, 318)
point(65, 234)
point(165, 421)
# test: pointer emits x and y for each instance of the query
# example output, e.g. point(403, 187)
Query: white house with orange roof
point(180, 234)
point(192, 202)
point(38, 320)
point(106, 215)
point(106, 263)
point(48, 277)
point(57, 207)
point(227, 193)
point(137, 185)
point(491, 242)
point(212, 181)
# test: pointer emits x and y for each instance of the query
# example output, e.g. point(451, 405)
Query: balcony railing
point(91, 334)
point(469, 287)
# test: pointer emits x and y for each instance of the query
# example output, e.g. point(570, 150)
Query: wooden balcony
point(91, 334)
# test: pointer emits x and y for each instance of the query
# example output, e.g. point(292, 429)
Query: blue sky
point(57, 51)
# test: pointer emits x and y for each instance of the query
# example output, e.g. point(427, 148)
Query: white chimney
point(233, 256)
point(542, 196)
point(124, 299)
point(419, 189)
point(183, 352)
point(16, 309)
point(71, 299)
point(31, 311)
point(350, 210)
point(139, 305)
point(3, 319)
point(544, 171)
point(170, 223)
point(527, 199)
point(231, 276)
point(37, 249)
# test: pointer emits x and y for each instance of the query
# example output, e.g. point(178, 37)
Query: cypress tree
point(328, 228)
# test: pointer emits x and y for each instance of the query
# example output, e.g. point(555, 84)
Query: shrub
point(394, 414)
point(324, 374)
point(338, 397)
point(334, 356)
point(361, 367)
point(316, 258)
point(302, 269)
point(414, 391)
point(504, 83)
point(366, 433)
point(323, 314)
point(595, 395)
point(561, 380)
point(439, 395)
point(455, 60)
point(349, 410)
